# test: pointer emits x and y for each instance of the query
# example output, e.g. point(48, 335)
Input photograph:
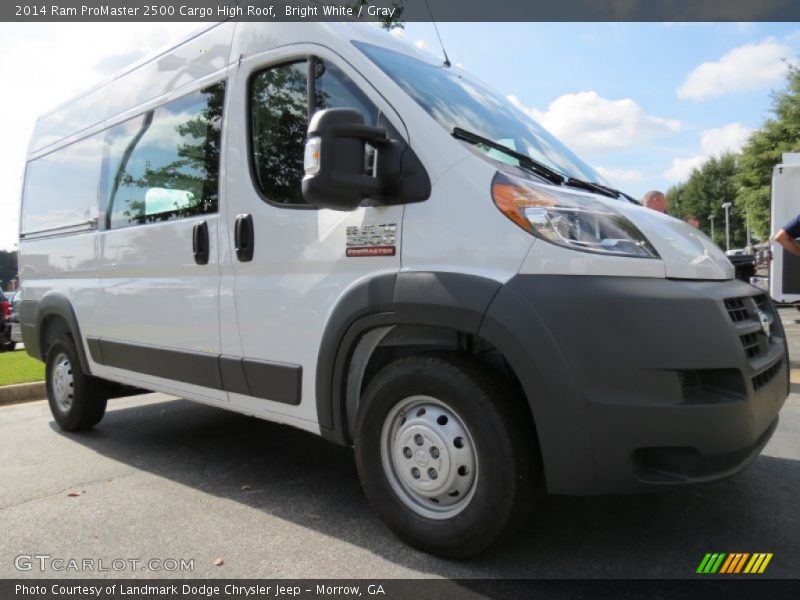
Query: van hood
point(687, 252)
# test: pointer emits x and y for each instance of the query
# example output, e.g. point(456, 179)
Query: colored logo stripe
point(711, 562)
point(758, 563)
point(735, 562)
point(723, 563)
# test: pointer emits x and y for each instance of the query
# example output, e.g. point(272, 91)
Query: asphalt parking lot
point(162, 478)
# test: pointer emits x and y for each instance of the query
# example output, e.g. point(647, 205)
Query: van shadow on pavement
point(300, 477)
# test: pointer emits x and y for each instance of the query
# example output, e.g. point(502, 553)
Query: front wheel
point(77, 401)
point(444, 455)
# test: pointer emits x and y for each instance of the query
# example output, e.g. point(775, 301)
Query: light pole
point(711, 218)
point(727, 207)
point(747, 245)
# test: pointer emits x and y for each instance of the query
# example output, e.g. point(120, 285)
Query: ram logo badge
point(372, 240)
point(764, 320)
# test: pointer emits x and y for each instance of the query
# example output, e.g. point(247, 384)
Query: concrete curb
point(23, 392)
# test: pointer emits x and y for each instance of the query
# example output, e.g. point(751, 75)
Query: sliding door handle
point(243, 237)
point(200, 243)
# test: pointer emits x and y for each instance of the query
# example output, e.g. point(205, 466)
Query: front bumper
point(636, 383)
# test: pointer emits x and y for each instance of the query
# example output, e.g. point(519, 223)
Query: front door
point(291, 265)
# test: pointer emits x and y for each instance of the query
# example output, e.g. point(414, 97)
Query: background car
point(16, 330)
point(5, 324)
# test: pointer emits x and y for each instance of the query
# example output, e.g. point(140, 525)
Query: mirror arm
point(311, 88)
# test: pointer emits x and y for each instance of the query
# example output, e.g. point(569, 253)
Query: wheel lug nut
point(432, 473)
point(407, 452)
point(434, 452)
point(415, 473)
point(418, 440)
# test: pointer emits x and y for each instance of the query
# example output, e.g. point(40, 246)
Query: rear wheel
point(444, 454)
point(77, 401)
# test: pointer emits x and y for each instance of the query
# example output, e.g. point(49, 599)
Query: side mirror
point(334, 161)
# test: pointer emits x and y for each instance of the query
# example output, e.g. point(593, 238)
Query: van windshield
point(455, 99)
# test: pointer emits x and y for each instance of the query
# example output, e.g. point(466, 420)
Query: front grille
point(766, 376)
point(752, 346)
point(745, 313)
point(736, 309)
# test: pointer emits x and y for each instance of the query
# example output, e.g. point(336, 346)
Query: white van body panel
point(183, 64)
point(204, 53)
point(460, 229)
point(687, 252)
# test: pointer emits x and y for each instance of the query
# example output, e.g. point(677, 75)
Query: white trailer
point(784, 275)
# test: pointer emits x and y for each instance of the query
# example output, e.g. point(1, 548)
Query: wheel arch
point(51, 316)
point(436, 309)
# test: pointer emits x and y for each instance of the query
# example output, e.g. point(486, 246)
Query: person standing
point(655, 200)
point(788, 234)
point(692, 220)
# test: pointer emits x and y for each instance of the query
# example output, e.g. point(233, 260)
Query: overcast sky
point(642, 103)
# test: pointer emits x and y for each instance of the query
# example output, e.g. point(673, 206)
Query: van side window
point(61, 187)
point(279, 122)
point(165, 164)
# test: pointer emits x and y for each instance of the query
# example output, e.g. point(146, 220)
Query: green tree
point(8, 266)
point(703, 194)
point(763, 151)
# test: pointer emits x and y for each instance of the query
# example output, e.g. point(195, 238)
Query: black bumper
point(636, 383)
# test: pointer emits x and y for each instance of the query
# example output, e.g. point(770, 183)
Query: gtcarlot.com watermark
point(47, 563)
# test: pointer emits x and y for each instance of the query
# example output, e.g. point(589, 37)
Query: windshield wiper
point(525, 161)
point(600, 189)
point(539, 168)
point(593, 187)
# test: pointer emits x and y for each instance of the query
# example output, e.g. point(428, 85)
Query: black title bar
point(700, 587)
point(398, 10)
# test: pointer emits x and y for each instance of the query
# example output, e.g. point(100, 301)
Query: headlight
point(572, 219)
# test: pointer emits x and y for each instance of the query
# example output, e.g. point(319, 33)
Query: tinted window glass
point(279, 122)
point(61, 187)
point(455, 99)
point(165, 164)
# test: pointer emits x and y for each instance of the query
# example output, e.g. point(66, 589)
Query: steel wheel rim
point(62, 382)
point(429, 457)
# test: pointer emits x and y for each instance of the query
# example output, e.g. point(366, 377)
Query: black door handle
point(200, 243)
point(243, 238)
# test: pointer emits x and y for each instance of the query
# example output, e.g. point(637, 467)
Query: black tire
point(11, 346)
point(77, 401)
point(504, 448)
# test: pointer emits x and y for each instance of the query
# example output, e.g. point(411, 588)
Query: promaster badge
point(372, 240)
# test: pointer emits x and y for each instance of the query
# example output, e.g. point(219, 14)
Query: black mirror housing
point(335, 170)
point(335, 174)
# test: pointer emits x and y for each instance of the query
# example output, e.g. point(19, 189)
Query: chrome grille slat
point(743, 312)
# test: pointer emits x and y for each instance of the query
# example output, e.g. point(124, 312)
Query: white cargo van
point(318, 225)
